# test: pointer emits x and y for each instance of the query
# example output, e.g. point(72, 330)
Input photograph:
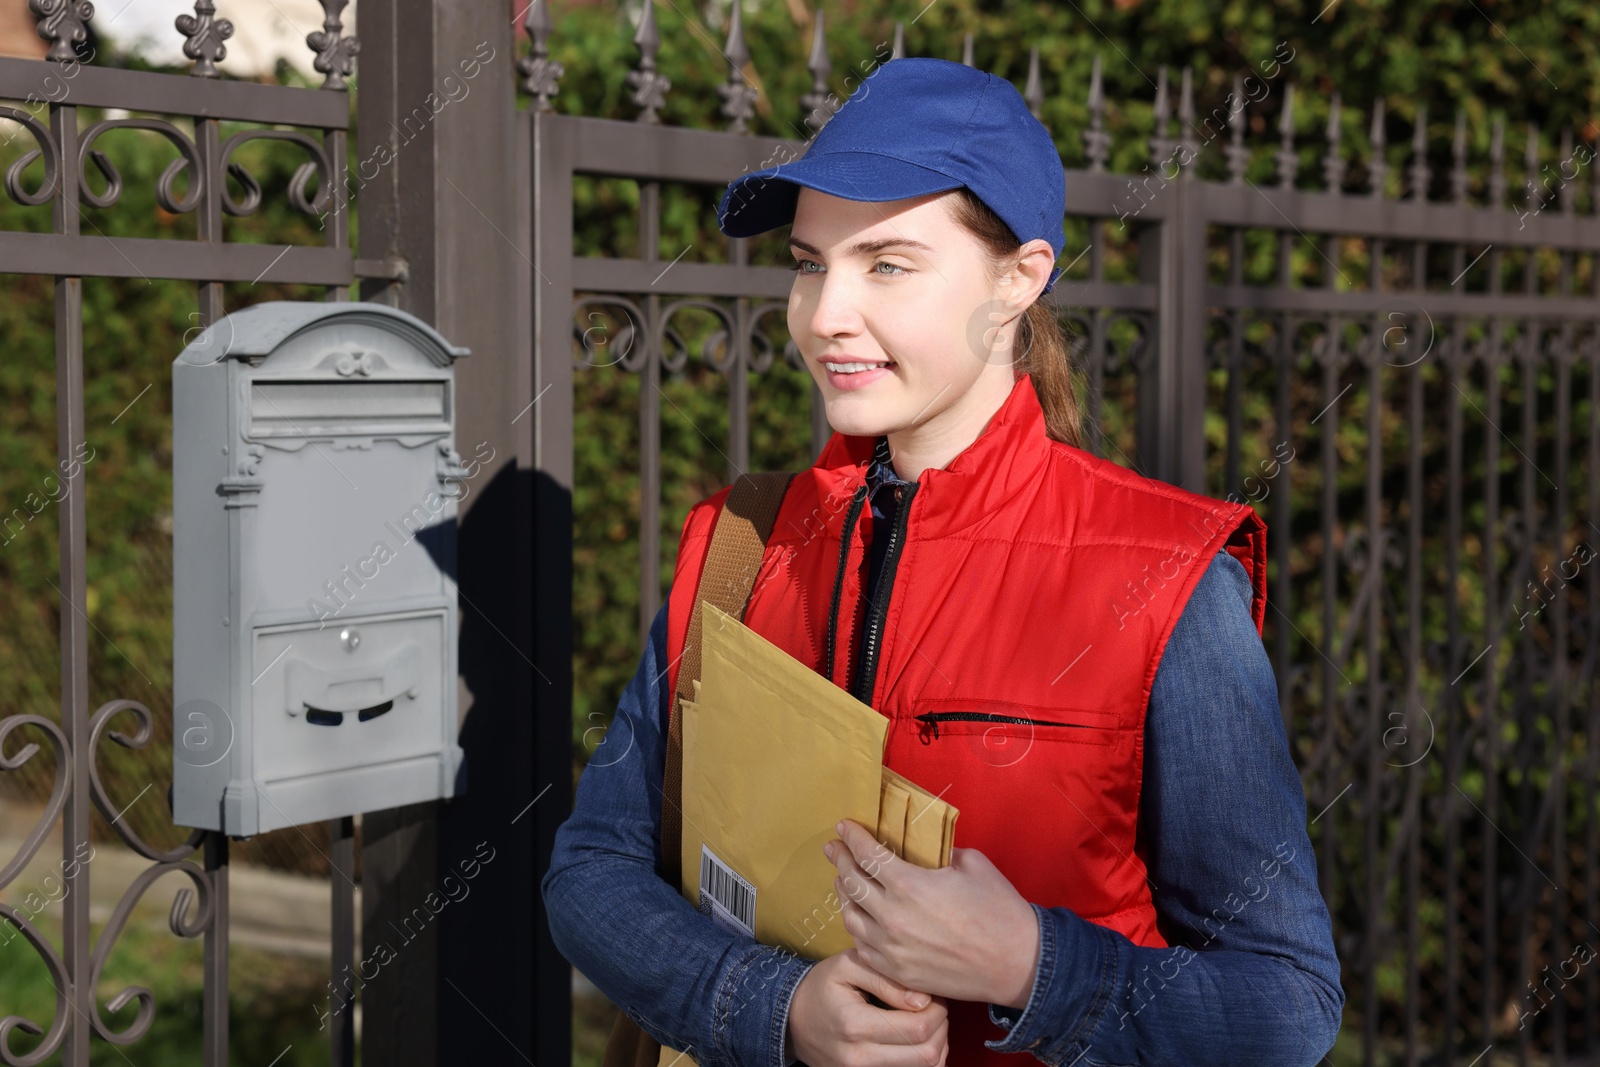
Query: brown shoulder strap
point(738, 542)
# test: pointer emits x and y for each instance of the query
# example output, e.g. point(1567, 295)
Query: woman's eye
point(801, 265)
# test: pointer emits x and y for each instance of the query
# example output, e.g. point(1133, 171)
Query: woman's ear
point(1021, 285)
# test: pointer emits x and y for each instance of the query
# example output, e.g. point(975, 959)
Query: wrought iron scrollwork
point(30, 846)
point(58, 795)
point(676, 357)
point(193, 927)
point(47, 150)
point(299, 185)
point(58, 1017)
point(138, 739)
point(193, 909)
point(762, 349)
point(621, 348)
point(166, 196)
point(1139, 350)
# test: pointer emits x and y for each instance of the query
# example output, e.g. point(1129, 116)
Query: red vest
point(1031, 581)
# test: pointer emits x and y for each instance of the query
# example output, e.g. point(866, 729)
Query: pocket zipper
point(934, 718)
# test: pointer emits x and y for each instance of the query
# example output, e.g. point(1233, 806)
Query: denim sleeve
point(686, 981)
point(1251, 976)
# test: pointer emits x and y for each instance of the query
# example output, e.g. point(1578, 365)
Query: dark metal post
point(1180, 385)
point(342, 854)
point(550, 424)
point(214, 1037)
point(434, 174)
point(75, 935)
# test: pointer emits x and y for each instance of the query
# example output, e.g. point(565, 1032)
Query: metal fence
point(1380, 347)
point(66, 165)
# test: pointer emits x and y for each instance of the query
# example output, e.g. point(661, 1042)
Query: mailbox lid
point(365, 691)
point(259, 330)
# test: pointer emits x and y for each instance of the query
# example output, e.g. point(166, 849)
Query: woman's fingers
point(834, 1020)
point(892, 993)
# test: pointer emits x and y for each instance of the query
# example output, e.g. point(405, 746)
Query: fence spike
point(1288, 161)
point(1238, 154)
point(1378, 167)
point(1033, 95)
point(1421, 176)
point(541, 74)
point(1594, 191)
point(738, 95)
point(648, 84)
point(1096, 141)
point(336, 55)
point(1567, 192)
point(1497, 163)
point(1458, 156)
point(899, 51)
point(816, 102)
point(204, 34)
point(1530, 163)
point(1333, 164)
point(1160, 144)
point(1186, 137)
point(966, 51)
point(63, 24)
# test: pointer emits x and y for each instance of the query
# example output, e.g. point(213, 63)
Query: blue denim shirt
point(1251, 976)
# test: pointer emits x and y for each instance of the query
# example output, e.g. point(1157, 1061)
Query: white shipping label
point(725, 897)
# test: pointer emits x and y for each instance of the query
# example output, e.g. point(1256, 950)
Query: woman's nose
point(836, 310)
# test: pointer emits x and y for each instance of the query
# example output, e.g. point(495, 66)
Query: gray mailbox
point(315, 479)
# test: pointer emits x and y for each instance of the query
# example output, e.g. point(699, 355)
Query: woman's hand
point(832, 1024)
point(962, 931)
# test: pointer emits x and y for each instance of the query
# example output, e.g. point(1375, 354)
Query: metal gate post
point(1172, 408)
point(436, 110)
point(549, 427)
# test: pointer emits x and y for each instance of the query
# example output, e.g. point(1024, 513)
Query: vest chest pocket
point(1007, 729)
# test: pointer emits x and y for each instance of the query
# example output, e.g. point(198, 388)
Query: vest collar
point(1005, 455)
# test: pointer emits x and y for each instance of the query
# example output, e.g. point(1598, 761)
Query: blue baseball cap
point(916, 126)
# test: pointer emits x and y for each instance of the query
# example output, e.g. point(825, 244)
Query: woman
point(1067, 652)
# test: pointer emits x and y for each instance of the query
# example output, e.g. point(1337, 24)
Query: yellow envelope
point(774, 754)
point(892, 816)
point(777, 755)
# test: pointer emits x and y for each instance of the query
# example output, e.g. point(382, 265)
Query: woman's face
point(900, 286)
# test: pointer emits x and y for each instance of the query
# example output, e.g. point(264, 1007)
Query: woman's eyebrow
point(866, 247)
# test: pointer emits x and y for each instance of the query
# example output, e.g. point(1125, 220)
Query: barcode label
point(725, 897)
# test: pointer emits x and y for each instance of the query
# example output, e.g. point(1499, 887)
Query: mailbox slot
point(297, 408)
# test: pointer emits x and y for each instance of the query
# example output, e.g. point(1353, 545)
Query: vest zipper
point(868, 670)
point(850, 519)
point(934, 718)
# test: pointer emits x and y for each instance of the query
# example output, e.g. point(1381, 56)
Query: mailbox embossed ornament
point(315, 481)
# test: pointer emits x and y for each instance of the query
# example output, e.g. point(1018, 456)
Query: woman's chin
point(857, 417)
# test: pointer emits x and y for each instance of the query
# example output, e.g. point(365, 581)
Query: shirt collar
point(880, 471)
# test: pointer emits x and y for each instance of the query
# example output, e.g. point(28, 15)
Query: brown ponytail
point(1040, 349)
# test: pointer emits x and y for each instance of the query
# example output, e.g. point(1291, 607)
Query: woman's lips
point(858, 379)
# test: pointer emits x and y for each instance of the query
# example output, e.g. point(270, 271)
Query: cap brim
point(765, 199)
